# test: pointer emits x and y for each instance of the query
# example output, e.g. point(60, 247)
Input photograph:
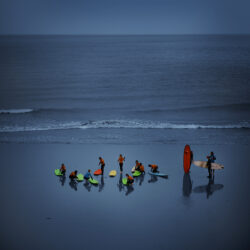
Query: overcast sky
point(124, 16)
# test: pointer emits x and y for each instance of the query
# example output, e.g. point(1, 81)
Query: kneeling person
point(88, 175)
point(154, 168)
point(130, 179)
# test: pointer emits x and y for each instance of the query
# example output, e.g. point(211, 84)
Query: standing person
point(63, 169)
point(73, 175)
point(121, 160)
point(102, 163)
point(211, 158)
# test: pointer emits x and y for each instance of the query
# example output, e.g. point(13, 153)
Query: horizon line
point(123, 34)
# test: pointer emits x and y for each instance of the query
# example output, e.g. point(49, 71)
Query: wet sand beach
point(42, 211)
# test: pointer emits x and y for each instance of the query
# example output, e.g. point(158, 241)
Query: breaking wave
point(120, 124)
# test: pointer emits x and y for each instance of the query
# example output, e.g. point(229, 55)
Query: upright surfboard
point(187, 159)
point(98, 172)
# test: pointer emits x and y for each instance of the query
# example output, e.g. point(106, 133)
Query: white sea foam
point(15, 111)
point(120, 124)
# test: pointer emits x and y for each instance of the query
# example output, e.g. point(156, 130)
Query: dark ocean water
point(125, 89)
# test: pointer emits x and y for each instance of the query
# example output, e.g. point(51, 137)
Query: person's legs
point(102, 168)
point(121, 167)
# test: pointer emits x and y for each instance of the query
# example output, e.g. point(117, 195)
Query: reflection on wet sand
point(130, 189)
point(153, 178)
point(141, 179)
point(87, 185)
point(62, 179)
point(187, 185)
point(101, 184)
point(209, 189)
point(73, 184)
point(120, 184)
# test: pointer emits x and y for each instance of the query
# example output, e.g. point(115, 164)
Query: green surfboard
point(125, 181)
point(136, 173)
point(80, 177)
point(58, 172)
point(93, 181)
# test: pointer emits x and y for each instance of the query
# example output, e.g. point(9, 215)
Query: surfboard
point(203, 164)
point(136, 173)
point(112, 173)
point(158, 174)
point(98, 172)
point(58, 172)
point(187, 159)
point(93, 181)
point(125, 181)
point(79, 177)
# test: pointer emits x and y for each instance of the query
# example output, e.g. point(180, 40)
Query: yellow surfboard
point(112, 173)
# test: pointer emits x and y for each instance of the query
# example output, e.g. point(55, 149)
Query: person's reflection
point(130, 189)
point(141, 179)
point(101, 185)
point(187, 185)
point(87, 185)
point(62, 179)
point(120, 184)
point(73, 184)
point(153, 178)
point(209, 189)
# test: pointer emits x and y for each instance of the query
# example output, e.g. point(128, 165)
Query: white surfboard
point(203, 164)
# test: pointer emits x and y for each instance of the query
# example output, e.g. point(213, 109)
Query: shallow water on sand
point(40, 211)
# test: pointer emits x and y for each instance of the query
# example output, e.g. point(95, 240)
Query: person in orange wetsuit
point(121, 160)
point(130, 179)
point(102, 163)
point(63, 169)
point(137, 165)
point(154, 168)
point(73, 175)
point(141, 168)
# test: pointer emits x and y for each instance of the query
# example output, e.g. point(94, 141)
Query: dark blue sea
point(125, 89)
point(71, 99)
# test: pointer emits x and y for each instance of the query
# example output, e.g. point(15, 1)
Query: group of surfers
point(138, 167)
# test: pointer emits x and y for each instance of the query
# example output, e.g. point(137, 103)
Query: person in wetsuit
point(154, 168)
point(73, 175)
point(210, 159)
point(130, 179)
point(102, 163)
point(88, 175)
point(121, 160)
point(63, 169)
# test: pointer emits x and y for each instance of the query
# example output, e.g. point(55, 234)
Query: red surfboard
point(187, 159)
point(98, 172)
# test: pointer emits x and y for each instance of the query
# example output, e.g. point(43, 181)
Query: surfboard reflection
point(209, 189)
point(187, 185)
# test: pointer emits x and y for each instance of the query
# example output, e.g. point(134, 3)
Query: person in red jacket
point(73, 175)
point(63, 169)
point(130, 179)
point(121, 160)
point(154, 168)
